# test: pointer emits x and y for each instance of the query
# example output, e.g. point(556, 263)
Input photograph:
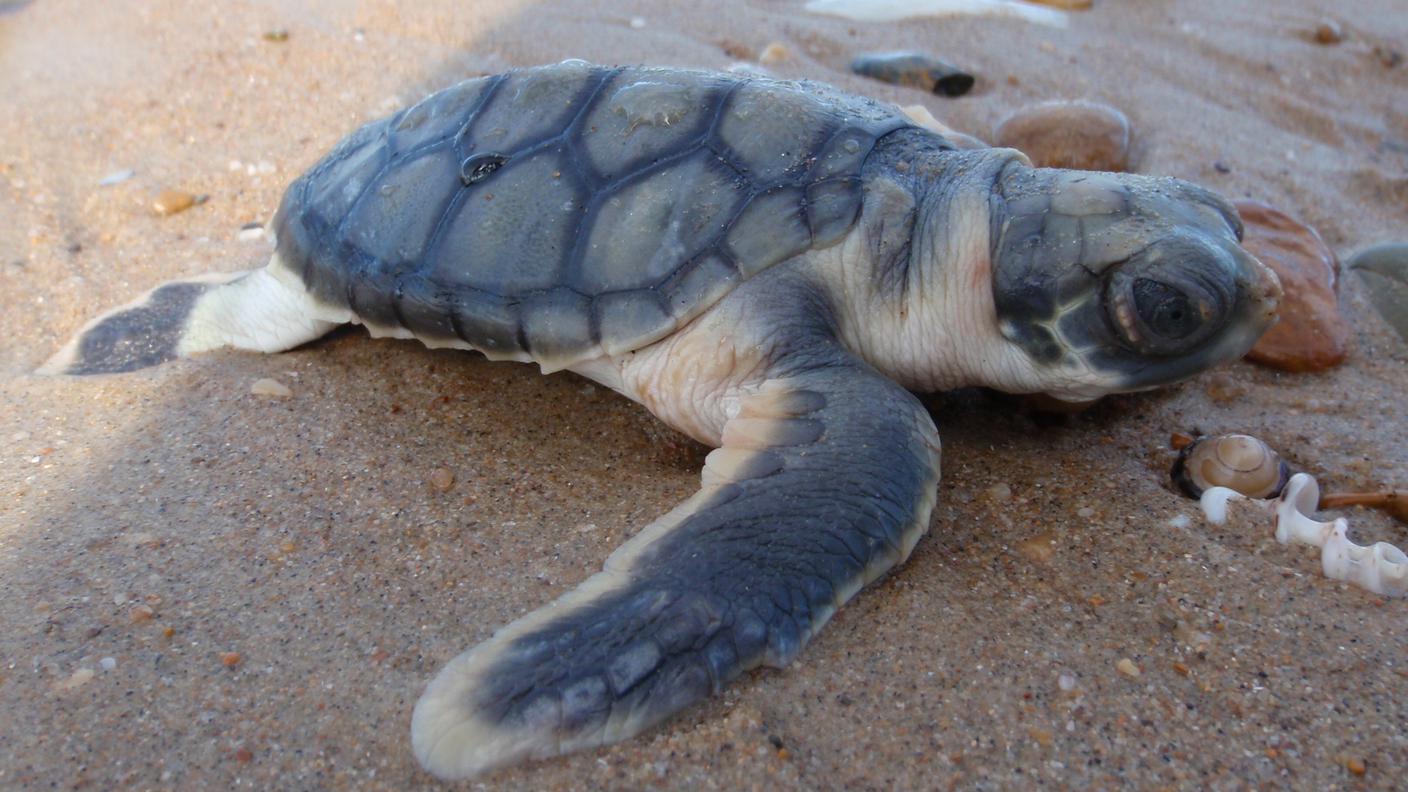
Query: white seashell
point(897, 10)
point(1381, 567)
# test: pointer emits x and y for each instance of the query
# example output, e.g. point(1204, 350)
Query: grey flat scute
point(561, 212)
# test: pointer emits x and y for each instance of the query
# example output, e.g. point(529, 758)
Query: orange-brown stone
point(1311, 335)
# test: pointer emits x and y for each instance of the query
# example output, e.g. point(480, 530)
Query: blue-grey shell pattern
point(568, 211)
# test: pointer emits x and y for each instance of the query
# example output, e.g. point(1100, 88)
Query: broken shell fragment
point(916, 70)
point(1394, 503)
point(1381, 567)
point(1239, 462)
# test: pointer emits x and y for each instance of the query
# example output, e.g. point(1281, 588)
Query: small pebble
point(1000, 492)
point(108, 663)
point(1127, 667)
point(78, 679)
point(1390, 58)
point(916, 70)
point(1038, 549)
point(170, 202)
point(774, 53)
point(230, 659)
point(1311, 335)
point(252, 232)
point(1355, 765)
point(270, 388)
point(441, 479)
point(1066, 682)
point(735, 50)
point(637, 23)
point(244, 755)
point(116, 177)
point(1080, 135)
point(141, 614)
point(1328, 32)
point(277, 35)
point(1384, 269)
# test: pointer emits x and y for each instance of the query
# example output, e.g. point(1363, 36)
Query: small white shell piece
point(1381, 567)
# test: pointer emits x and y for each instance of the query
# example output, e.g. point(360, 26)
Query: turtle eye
point(1164, 310)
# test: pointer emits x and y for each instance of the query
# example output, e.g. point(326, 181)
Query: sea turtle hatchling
point(770, 267)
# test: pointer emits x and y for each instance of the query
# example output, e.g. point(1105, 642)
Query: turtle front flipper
point(826, 478)
point(263, 310)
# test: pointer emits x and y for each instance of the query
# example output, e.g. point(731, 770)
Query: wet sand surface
point(209, 589)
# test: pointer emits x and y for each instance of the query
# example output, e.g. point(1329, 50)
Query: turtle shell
point(564, 212)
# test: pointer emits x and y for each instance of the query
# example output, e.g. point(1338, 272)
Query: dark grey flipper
point(265, 310)
point(826, 479)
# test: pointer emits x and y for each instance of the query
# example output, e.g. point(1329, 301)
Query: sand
point(151, 524)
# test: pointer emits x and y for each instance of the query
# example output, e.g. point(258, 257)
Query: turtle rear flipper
point(264, 310)
point(826, 479)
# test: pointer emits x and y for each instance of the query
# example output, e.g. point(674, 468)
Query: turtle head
point(1115, 282)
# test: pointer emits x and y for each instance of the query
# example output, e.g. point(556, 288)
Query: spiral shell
point(1239, 462)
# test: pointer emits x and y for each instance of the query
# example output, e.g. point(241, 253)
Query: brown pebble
point(244, 755)
point(1182, 669)
point(1223, 389)
point(277, 35)
point(170, 202)
point(1038, 549)
point(1127, 667)
point(230, 659)
point(1355, 765)
point(1328, 32)
point(1080, 135)
point(141, 614)
point(442, 479)
point(168, 632)
point(774, 53)
point(735, 50)
point(1179, 441)
point(1311, 334)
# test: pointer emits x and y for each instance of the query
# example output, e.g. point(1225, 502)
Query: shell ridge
point(603, 191)
point(571, 139)
point(458, 197)
point(478, 110)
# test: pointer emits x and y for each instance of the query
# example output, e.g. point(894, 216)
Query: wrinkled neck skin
point(913, 282)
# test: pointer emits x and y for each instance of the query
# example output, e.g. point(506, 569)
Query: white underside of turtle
point(768, 267)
